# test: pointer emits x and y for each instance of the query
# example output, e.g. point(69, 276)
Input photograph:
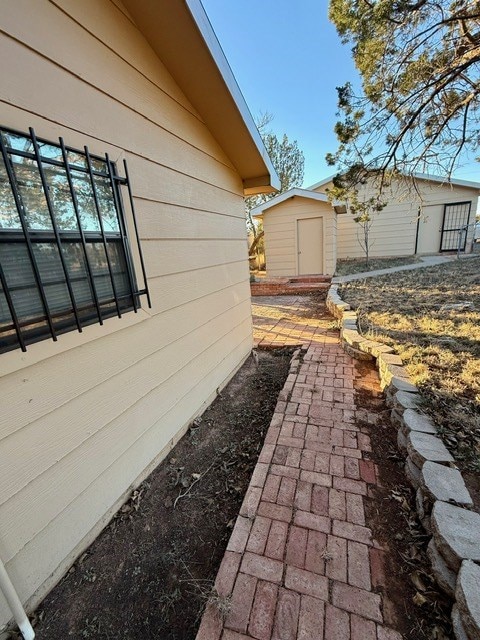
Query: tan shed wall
point(394, 229)
point(280, 226)
point(84, 419)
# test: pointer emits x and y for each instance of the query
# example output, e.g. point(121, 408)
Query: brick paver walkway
point(301, 562)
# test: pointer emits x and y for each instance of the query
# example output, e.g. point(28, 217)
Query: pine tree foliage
point(286, 157)
point(419, 107)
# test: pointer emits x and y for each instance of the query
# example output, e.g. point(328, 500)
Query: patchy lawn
point(413, 312)
point(358, 265)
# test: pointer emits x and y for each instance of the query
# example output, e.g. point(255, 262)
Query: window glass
point(17, 141)
point(61, 198)
point(106, 204)
point(21, 282)
point(29, 186)
point(86, 203)
point(8, 211)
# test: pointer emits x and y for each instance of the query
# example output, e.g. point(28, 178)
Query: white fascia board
point(291, 193)
point(447, 181)
point(216, 51)
point(418, 176)
point(322, 182)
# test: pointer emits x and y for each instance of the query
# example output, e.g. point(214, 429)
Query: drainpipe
point(15, 604)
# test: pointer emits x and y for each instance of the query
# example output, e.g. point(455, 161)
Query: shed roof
point(419, 176)
point(291, 193)
point(180, 33)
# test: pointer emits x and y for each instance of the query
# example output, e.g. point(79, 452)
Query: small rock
point(458, 628)
point(415, 421)
point(396, 418)
point(419, 499)
point(405, 400)
point(401, 441)
point(378, 348)
point(402, 384)
point(445, 577)
point(385, 359)
point(457, 533)
point(412, 472)
point(391, 372)
point(445, 484)
point(468, 598)
point(389, 398)
point(458, 306)
point(424, 446)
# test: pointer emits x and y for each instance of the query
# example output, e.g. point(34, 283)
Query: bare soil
point(149, 574)
point(414, 604)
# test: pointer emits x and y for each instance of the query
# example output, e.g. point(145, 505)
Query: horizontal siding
point(45, 389)
point(159, 221)
point(89, 507)
point(124, 41)
point(392, 234)
point(112, 121)
point(87, 421)
point(70, 453)
point(120, 80)
point(164, 185)
point(177, 256)
point(178, 289)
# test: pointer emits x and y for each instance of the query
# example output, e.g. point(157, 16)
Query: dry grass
point(358, 265)
point(440, 346)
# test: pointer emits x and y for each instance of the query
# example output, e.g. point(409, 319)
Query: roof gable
point(286, 195)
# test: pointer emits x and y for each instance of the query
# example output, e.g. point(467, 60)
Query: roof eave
point(286, 195)
point(180, 33)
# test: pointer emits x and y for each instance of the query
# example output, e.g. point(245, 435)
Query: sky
point(288, 60)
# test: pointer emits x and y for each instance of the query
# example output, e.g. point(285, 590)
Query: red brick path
point(301, 562)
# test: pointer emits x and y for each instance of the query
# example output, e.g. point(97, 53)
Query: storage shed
point(300, 229)
point(433, 216)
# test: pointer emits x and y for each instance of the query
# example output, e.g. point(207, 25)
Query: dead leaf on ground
point(419, 599)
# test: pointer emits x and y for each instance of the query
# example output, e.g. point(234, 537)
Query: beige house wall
point(280, 226)
point(85, 419)
point(394, 229)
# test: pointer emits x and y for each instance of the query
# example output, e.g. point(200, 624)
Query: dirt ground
point(150, 572)
point(414, 604)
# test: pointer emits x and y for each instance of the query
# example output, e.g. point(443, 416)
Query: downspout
point(15, 604)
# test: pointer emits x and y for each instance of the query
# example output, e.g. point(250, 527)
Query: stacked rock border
point(442, 499)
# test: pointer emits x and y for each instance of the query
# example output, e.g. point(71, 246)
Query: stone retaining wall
point(443, 501)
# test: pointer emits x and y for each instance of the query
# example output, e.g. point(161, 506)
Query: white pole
point(15, 604)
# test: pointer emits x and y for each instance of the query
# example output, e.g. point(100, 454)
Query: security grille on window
point(65, 258)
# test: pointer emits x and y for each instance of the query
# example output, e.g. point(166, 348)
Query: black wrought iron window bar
point(65, 255)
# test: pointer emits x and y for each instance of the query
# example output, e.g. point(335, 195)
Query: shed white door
point(310, 245)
